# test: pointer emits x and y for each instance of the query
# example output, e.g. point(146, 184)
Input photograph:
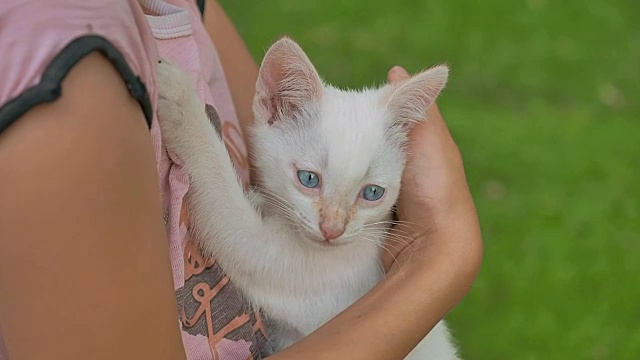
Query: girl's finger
point(397, 73)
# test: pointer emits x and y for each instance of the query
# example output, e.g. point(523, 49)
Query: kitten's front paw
point(178, 103)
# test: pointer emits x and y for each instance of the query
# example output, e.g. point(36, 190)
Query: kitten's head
point(329, 160)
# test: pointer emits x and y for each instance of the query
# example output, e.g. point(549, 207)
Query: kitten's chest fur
point(310, 285)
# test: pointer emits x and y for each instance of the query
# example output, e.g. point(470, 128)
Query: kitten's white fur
point(269, 243)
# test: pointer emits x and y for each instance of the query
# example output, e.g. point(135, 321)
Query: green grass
point(543, 101)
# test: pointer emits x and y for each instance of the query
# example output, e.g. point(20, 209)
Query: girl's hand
point(438, 219)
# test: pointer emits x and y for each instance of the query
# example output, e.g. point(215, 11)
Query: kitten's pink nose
point(331, 231)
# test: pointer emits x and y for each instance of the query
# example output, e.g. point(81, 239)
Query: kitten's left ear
point(287, 83)
point(410, 101)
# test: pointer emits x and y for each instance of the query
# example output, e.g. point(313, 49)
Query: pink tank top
point(213, 321)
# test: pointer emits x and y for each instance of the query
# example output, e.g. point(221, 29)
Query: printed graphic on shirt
point(209, 304)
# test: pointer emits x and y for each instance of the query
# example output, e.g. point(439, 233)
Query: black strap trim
point(50, 87)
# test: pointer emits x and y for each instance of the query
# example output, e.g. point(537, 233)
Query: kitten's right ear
point(287, 82)
point(411, 99)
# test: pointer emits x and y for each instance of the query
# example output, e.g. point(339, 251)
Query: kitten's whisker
point(278, 206)
point(400, 243)
point(274, 198)
point(281, 210)
point(394, 240)
point(284, 210)
point(278, 202)
point(392, 222)
point(391, 253)
point(390, 235)
point(390, 230)
point(397, 223)
point(403, 233)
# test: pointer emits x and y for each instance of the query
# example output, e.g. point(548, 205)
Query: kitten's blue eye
point(372, 192)
point(308, 179)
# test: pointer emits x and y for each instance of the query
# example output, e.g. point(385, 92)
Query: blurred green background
point(543, 102)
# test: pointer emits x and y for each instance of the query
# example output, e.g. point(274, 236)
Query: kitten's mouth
point(318, 241)
point(326, 244)
point(323, 243)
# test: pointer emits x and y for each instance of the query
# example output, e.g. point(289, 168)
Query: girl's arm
point(84, 263)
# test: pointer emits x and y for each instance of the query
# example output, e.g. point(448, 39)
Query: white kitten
point(307, 243)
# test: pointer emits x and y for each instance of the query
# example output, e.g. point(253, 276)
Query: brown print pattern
point(211, 306)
